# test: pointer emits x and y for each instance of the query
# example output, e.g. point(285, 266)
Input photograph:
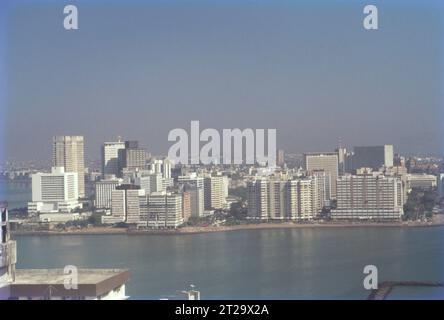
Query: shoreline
point(214, 229)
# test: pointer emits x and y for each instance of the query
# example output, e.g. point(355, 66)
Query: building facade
point(258, 199)
point(110, 158)
point(68, 152)
point(125, 204)
point(165, 210)
point(132, 157)
point(321, 184)
point(162, 166)
point(151, 182)
point(276, 199)
point(369, 196)
point(328, 162)
point(195, 186)
point(373, 157)
point(186, 205)
point(214, 192)
point(57, 191)
point(421, 181)
point(103, 192)
point(280, 161)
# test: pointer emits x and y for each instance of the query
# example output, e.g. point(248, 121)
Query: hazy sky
point(141, 68)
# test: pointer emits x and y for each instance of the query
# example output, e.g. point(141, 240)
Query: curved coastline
point(438, 221)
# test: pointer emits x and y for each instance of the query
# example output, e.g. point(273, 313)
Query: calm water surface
point(301, 263)
point(17, 193)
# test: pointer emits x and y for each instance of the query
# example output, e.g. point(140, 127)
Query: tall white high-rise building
point(342, 158)
point(156, 166)
point(166, 168)
point(214, 192)
point(369, 195)
point(321, 184)
point(68, 152)
point(55, 191)
point(258, 199)
point(110, 158)
point(277, 199)
point(328, 162)
point(301, 205)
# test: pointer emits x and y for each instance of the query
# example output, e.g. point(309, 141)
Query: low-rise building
point(422, 181)
point(50, 284)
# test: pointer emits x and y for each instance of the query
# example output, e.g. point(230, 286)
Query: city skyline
point(233, 151)
point(97, 155)
point(173, 64)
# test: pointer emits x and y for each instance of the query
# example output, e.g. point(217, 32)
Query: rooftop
point(91, 282)
point(57, 276)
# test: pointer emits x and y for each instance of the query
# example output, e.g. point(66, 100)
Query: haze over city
point(238, 151)
point(141, 70)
